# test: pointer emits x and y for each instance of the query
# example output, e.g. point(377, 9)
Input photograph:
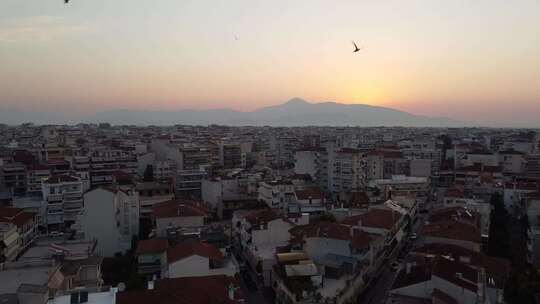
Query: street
point(377, 290)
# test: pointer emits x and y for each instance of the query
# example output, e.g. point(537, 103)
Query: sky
point(469, 60)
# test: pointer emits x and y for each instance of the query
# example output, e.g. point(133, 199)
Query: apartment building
point(101, 162)
point(111, 216)
point(346, 171)
point(62, 201)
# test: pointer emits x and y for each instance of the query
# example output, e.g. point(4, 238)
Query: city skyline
point(467, 61)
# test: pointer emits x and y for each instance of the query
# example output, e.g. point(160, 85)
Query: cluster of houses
point(311, 215)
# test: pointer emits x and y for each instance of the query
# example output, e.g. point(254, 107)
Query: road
point(261, 295)
point(378, 288)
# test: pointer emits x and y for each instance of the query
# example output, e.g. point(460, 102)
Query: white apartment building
point(512, 162)
point(111, 216)
point(402, 185)
point(62, 201)
point(151, 193)
point(307, 162)
point(103, 161)
point(346, 170)
point(277, 194)
point(313, 162)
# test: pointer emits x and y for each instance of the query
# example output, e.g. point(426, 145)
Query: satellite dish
point(121, 287)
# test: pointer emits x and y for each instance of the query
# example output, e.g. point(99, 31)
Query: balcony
point(54, 197)
point(55, 219)
point(149, 268)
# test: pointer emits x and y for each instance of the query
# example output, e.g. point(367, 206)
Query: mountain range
point(295, 112)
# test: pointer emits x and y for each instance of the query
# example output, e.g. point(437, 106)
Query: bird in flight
point(356, 48)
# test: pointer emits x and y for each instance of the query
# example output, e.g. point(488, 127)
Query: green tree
point(522, 285)
point(135, 281)
point(499, 236)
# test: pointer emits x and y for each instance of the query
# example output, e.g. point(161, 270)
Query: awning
point(11, 238)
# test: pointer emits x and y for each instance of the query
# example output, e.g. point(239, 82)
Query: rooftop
point(188, 249)
point(190, 290)
point(13, 277)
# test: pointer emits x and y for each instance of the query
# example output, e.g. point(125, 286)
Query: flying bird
point(356, 48)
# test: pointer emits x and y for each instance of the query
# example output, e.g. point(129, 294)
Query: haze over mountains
point(295, 112)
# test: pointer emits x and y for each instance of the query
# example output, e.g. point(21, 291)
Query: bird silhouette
point(356, 48)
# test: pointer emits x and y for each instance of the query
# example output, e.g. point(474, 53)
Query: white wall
point(197, 266)
point(463, 295)
point(193, 266)
point(420, 290)
point(99, 221)
point(305, 163)
point(277, 233)
point(317, 248)
point(181, 221)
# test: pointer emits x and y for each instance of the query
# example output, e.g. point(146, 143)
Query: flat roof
point(41, 250)
point(12, 278)
point(106, 297)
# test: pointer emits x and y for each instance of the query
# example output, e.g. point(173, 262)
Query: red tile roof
point(452, 230)
point(189, 290)
point(188, 249)
point(358, 199)
point(259, 217)
point(443, 297)
point(454, 192)
point(176, 208)
point(9, 211)
point(417, 274)
point(375, 218)
point(17, 216)
point(305, 194)
point(152, 246)
point(359, 239)
point(23, 218)
point(456, 273)
point(456, 213)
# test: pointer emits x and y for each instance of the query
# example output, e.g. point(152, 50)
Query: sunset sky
point(469, 60)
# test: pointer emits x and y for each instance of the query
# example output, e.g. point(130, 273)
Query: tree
point(135, 281)
point(499, 236)
point(148, 175)
point(327, 217)
point(522, 285)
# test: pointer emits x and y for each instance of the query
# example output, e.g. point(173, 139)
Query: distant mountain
point(295, 112)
